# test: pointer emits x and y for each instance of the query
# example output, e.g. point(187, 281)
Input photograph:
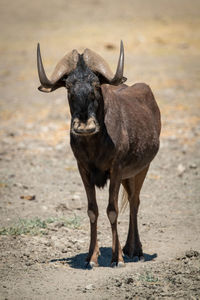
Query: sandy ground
point(44, 228)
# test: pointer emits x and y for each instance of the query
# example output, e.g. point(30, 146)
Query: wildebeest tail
point(124, 201)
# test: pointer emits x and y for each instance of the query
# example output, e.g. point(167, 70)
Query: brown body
point(123, 150)
point(114, 135)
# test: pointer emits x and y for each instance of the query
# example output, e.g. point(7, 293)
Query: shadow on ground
point(78, 261)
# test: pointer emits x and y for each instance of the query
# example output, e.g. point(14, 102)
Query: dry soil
point(44, 228)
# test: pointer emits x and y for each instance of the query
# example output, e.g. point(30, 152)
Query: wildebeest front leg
point(133, 246)
point(112, 212)
point(92, 258)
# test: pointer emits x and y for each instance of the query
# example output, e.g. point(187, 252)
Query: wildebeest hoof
point(91, 265)
point(141, 258)
point(138, 258)
point(136, 254)
point(120, 264)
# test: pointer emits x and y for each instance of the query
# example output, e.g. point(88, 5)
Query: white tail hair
point(124, 201)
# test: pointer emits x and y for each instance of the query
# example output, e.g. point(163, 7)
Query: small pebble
point(90, 287)
point(180, 169)
point(193, 166)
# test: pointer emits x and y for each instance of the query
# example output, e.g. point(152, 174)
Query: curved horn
point(45, 82)
point(118, 78)
point(67, 64)
point(97, 64)
point(64, 67)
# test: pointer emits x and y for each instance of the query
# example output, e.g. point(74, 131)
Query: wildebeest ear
point(51, 89)
point(60, 83)
point(123, 79)
point(104, 80)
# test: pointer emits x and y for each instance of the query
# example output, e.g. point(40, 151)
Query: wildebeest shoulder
point(132, 106)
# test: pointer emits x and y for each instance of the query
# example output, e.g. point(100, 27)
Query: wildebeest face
point(84, 95)
point(81, 75)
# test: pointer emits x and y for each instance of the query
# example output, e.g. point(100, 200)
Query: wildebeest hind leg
point(133, 246)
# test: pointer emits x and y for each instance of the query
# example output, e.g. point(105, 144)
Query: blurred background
point(162, 48)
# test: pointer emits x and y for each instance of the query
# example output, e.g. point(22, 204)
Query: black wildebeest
point(114, 135)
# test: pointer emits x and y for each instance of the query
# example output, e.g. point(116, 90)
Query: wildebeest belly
point(135, 161)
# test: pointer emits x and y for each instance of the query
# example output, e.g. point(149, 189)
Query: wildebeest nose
point(85, 128)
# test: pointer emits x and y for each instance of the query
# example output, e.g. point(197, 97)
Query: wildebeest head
point(82, 75)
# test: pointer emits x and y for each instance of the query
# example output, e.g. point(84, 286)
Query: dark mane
point(98, 177)
point(82, 72)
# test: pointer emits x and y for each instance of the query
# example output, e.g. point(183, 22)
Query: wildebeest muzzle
point(90, 127)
